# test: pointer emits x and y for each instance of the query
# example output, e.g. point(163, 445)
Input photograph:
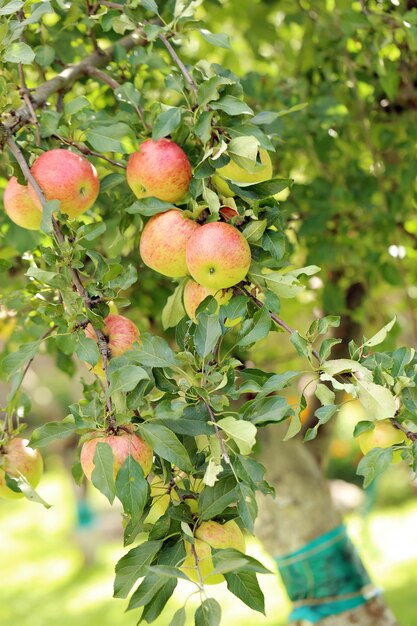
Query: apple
point(20, 206)
point(218, 255)
point(384, 435)
point(163, 242)
point(159, 169)
point(207, 536)
point(122, 444)
point(17, 458)
point(194, 294)
point(240, 176)
point(67, 177)
point(121, 334)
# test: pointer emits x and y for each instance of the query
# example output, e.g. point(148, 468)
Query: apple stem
point(218, 433)
point(75, 276)
point(176, 58)
point(197, 561)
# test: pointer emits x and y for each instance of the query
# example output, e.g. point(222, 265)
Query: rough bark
point(301, 511)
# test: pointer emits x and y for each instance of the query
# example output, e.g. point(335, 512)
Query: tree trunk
point(301, 511)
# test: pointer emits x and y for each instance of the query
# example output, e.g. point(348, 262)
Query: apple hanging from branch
point(17, 459)
point(121, 334)
point(20, 206)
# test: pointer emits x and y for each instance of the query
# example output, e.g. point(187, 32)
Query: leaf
point(165, 444)
point(125, 378)
point(44, 55)
point(264, 118)
point(363, 426)
point(338, 366)
point(275, 243)
point(214, 500)
point(16, 360)
point(270, 410)
point(213, 469)
point(301, 344)
point(51, 431)
point(380, 336)
point(86, 349)
point(166, 123)
point(261, 190)
point(11, 7)
point(19, 52)
point(326, 348)
point(179, 617)
point(245, 586)
point(207, 334)
point(107, 138)
point(374, 463)
point(154, 608)
point(241, 431)
point(149, 207)
point(128, 93)
point(232, 106)
point(173, 310)
point(324, 394)
point(103, 473)
point(247, 506)
point(134, 565)
point(28, 491)
point(132, 488)
point(212, 200)
point(76, 104)
point(209, 613)
point(155, 352)
point(49, 208)
point(146, 591)
point(150, 5)
point(219, 40)
point(229, 559)
point(378, 401)
point(260, 330)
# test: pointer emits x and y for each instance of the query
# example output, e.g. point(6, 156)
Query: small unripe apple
point(384, 435)
point(211, 535)
point(121, 334)
point(218, 255)
point(67, 177)
point(163, 242)
point(240, 176)
point(20, 206)
point(159, 169)
point(17, 458)
point(194, 294)
point(123, 444)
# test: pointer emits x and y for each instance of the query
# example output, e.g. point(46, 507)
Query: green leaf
point(179, 618)
point(241, 431)
point(270, 410)
point(254, 230)
point(146, 591)
point(16, 360)
point(207, 334)
point(51, 431)
point(173, 310)
point(339, 366)
point(380, 336)
point(76, 104)
point(378, 401)
point(150, 5)
point(11, 7)
point(155, 352)
point(149, 207)
point(261, 190)
point(324, 394)
point(301, 344)
point(28, 491)
point(86, 349)
point(128, 93)
point(209, 613)
point(19, 52)
point(219, 40)
point(134, 565)
point(326, 348)
point(229, 559)
point(154, 608)
point(107, 138)
point(245, 586)
point(214, 500)
point(49, 208)
point(165, 444)
point(363, 426)
point(209, 90)
point(260, 330)
point(374, 463)
point(275, 243)
point(232, 106)
point(49, 123)
point(132, 488)
point(103, 473)
point(125, 378)
point(44, 55)
point(247, 506)
point(166, 123)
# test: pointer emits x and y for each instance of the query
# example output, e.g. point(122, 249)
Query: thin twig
point(218, 433)
point(408, 433)
point(176, 58)
point(84, 150)
point(197, 561)
point(26, 97)
point(95, 72)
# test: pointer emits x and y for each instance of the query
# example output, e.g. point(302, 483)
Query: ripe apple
point(163, 242)
point(240, 176)
point(159, 169)
point(20, 206)
point(207, 536)
point(121, 334)
point(67, 177)
point(218, 255)
point(384, 435)
point(122, 444)
point(194, 294)
point(17, 458)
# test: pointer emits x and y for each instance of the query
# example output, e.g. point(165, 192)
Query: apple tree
point(143, 235)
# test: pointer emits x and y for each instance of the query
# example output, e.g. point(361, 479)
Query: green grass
point(45, 580)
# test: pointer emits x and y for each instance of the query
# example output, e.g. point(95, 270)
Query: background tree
point(333, 124)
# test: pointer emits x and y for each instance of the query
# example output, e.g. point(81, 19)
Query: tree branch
point(176, 58)
point(84, 150)
point(64, 80)
point(95, 72)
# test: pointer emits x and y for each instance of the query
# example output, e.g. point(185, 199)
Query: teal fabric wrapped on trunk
point(325, 577)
